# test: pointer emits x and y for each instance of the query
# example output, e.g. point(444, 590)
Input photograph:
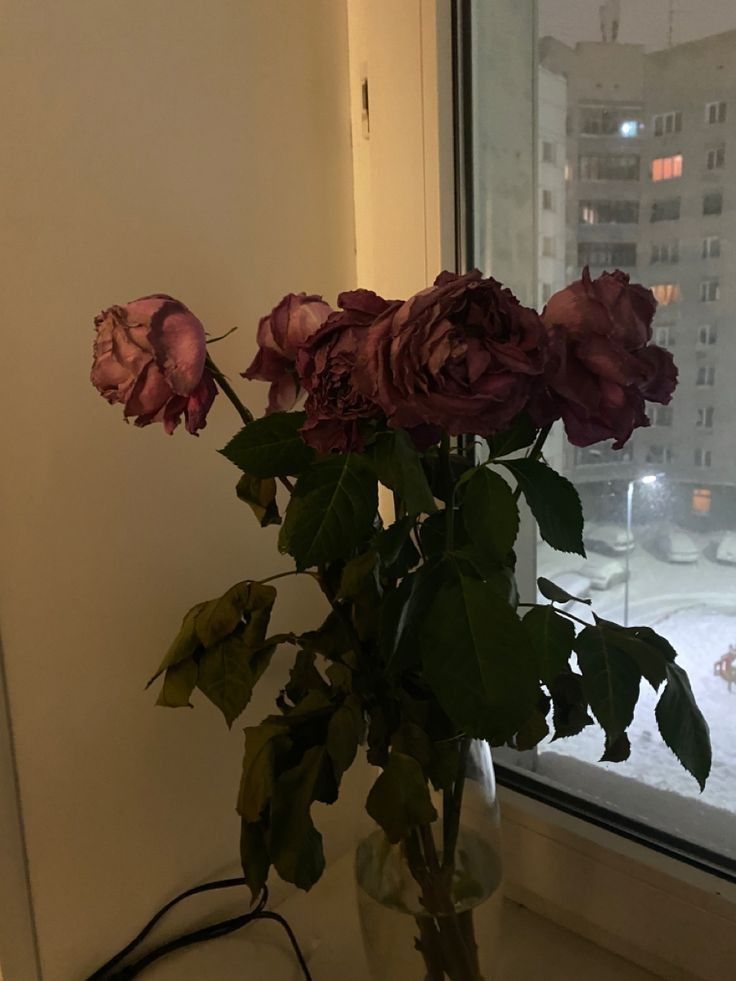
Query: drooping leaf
point(396, 550)
point(404, 610)
point(294, 843)
point(490, 514)
point(617, 750)
point(332, 640)
point(331, 511)
point(518, 437)
point(551, 591)
point(552, 638)
point(610, 680)
point(304, 677)
point(184, 646)
point(554, 502)
point(399, 466)
point(399, 800)
point(477, 659)
point(254, 856)
point(271, 446)
point(228, 672)
point(260, 494)
point(411, 740)
point(257, 781)
point(639, 644)
point(535, 729)
point(355, 573)
point(180, 681)
point(343, 737)
point(433, 533)
point(682, 725)
point(569, 705)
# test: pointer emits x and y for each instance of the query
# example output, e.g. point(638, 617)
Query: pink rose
point(150, 355)
point(603, 369)
point(463, 355)
point(326, 365)
point(280, 335)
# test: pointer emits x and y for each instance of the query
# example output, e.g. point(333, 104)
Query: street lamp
point(648, 479)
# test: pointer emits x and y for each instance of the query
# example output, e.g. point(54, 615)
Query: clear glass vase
point(430, 906)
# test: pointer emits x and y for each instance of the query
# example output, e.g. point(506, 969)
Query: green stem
point(245, 414)
point(453, 807)
point(283, 575)
point(535, 452)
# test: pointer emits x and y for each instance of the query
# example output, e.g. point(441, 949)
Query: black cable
point(211, 932)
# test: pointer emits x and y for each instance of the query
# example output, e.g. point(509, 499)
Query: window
point(665, 251)
point(713, 203)
point(701, 501)
point(661, 415)
point(609, 167)
point(715, 157)
point(710, 290)
point(715, 112)
point(607, 253)
point(711, 247)
point(587, 456)
point(548, 201)
point(663, 336)
point(667, 210)
point(702, 457)
point(666, 168)
point(666, 293)
point(659, 454)
point(608, 212)
point(704, 417)
point(706, 376)
point(707, 335)
point(667, 122)
point(548, 247)
point(548, 152)
point(609, 121)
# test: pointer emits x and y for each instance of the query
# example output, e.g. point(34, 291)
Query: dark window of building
point(607, 253)
point(609, 121)
point(711, 247)
point(704, 417)
point(713, 203)
point(548, 152)
point(715, 112)
point(703, 458)
point(608, 212)
point(661, 415)
point(548, 200)
point(667, 210)
point(710, 290)
point(715, 157)
point(609, 167)
point(659, 454)
point(707, 335)
point(665, 251)
point(586, 456)
point(706, 376)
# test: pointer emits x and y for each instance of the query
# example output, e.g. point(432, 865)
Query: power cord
point(111, 971)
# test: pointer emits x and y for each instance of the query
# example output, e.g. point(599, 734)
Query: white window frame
point(711, 247)
point(665, 915)
point(702, 414)
point(707, 335)
point(715, 157)
point(710, 290)
point(720, 117)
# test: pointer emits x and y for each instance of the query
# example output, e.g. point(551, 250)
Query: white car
point(610, 539)
point(604, 573)
point(676, 546)
point(573, 583)
point(726, 548)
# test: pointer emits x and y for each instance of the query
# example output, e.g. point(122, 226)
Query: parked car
point(674, 545)
point(609, 539)
point(574, 583)
point(605, 573)
point(726, 548)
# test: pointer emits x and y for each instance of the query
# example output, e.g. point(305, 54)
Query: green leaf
point(395, 548)
point(535, 729)
point(518, 437)
point(477, 659)
point(640, 646)
point(554, 502)
point(355, 573)
point(260, 494)
point(569, 705)
point(617, 750)
point(218, 618)
point(552, 637)
point(490, 514)
point(343, 736)
point(411, 740)
point(443, 765)
point(254, 856)
point(331, 511)
point(551, 591)
point(399, 800)
point(229, 671)
point(610, 680)
point(294, 843)
point(184, 646)
point(180, 681)
point(433, 533)
point(399, 466)
point(683, 726)
point(271, 446)
point(257, 781)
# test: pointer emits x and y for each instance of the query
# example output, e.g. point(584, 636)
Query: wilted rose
point(150, 355)
point(326, 365)
point(280, 335)
point(603, 368)
point(463, 355)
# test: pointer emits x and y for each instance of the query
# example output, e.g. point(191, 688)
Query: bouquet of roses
point(426, 644)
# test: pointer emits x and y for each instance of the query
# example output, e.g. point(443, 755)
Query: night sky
point(642, 21)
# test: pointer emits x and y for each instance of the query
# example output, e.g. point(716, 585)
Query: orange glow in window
point(665, 168)
point(701, 501)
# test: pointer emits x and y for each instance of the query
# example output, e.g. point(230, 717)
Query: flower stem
point(245, 414)
point(535, 453)
point(453, 805)
point(283, 575)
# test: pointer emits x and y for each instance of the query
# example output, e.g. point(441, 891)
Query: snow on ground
point(694, 607)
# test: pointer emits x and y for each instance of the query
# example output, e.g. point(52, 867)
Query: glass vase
point(430, 905)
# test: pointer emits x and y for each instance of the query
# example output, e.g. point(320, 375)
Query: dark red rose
point(463, 355)
point(150, 355)
point(280, 334)
point(602, 368)
point(326, 366)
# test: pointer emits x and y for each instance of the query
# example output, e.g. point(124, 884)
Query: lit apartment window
point(704, 417)
point(715, 157)
point(711, 247)
point(666, 251)
point(713, 203)
point(707, 335)
point(663, 337)
point(715, 112)
point(609, 167)
point(706, 376)
point(659, 454)
point(608, 212)
point(710, 290)
point(666, 293)
point(609, 121)
point(592, 455)
point(548, 200)
point(662, 415)
point(667, 210)
point(607, 253)
point(548, 152)
point(568, 172)
point(667, 122)
point(666, 168)
point(702, 457)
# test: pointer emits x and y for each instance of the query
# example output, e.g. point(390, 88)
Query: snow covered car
point(610, 539)
point(573, 583)
point(676, 546)
point(605, 573)
point(726, 548)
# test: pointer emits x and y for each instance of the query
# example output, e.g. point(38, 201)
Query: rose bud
point(150, 355)
point(280, 335)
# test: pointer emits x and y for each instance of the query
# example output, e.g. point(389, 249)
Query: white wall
point(200, 149)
